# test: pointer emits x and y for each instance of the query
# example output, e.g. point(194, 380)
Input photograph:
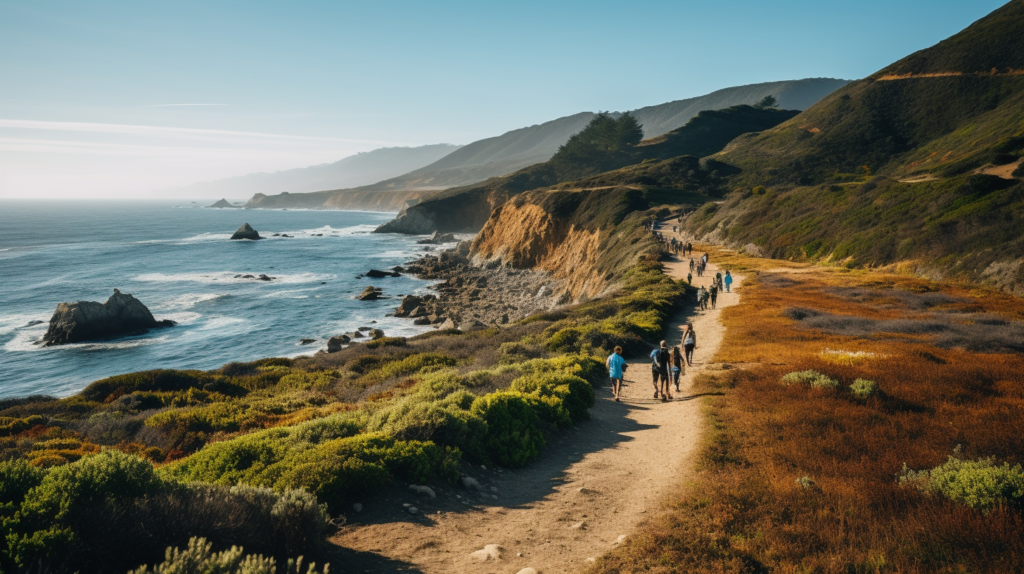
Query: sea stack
point(246, 232)
point(120, 316)
point(224, 204)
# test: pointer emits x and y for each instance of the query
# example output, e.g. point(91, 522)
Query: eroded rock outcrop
point(246, 232)
point(122, 315)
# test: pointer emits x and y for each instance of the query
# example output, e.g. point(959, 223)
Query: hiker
point(714, 295)
point(616, 371)
point(693, 264)
point(659, 371)
point(689, 343)
point(700, 297)
point(718, 278)
point(706, 298)
point(728, 282)
point(689, 278)
point(677, 365)
point(705, 257)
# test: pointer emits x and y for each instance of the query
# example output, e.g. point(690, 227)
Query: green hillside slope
point(919, 163)
point(585, 155)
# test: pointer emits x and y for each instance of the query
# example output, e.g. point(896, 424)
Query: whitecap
point(19, 321)
point(189, 300)
point(25, 341)
point(289, 293)
point(229, 277)
point(220, 322)
point(182, 318)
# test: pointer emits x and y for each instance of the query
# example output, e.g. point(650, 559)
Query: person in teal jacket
point(728, 282)
point(616, 371)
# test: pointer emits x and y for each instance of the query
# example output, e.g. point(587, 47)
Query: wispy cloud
point(179, 104)
point(168, 131)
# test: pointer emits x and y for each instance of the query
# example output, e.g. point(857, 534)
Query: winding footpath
point(587, 492)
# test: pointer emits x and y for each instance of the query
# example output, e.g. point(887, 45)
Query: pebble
point(413, 510)
point(357, 507)
point(527, 571)
point(470, 482)
point(579, 526)
point(620, 539)
point(488, 552)
point(423, 490)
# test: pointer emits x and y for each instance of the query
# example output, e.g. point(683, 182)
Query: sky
point(121, 99)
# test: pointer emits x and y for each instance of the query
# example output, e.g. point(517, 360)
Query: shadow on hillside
point(356, 562)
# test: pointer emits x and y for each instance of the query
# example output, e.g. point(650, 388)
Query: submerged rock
point(246, 232)
point(378, 274)
point(120, 316)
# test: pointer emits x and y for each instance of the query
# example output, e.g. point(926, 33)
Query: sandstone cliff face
point(524, 235)
point(120, 316)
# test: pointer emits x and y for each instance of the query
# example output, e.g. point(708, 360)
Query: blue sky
point(300, 83)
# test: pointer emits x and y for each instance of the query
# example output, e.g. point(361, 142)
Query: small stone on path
point(488, 552)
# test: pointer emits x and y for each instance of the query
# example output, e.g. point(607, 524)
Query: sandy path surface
point(591, 485)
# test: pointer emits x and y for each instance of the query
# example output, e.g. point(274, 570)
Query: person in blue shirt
point(728, 282)
point(616, 370)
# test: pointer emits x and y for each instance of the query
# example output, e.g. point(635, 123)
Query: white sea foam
point(182, 318)
point(229, 277)
point(220, 322)
point(28, 341)
point(289, 294)
point(188, 300)
point(12, 323)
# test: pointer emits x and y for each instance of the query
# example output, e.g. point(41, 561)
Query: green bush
point(574, 395)
point(12, 426)
point(812, 378)
point(863, 388)
point(199, 558)
point(514, 437)
point(17, 477)
point(980, 484)
point(160, 380)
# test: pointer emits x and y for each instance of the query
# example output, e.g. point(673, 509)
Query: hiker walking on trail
point(728, 282)
point(705, 257)
point(677, 366)
point(660, 360)
point(689, 343)
point(689, 278)
point(693, 264)
point(616, 371)
point(705, 298)
point(700, 297)
point(714, 295)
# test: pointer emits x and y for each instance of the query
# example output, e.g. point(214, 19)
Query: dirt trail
point(591, 486)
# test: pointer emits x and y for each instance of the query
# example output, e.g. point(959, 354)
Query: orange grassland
point(746, 512)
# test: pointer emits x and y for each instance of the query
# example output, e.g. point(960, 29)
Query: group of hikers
point(667, 365)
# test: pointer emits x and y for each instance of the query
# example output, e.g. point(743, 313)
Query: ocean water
point(177, 259)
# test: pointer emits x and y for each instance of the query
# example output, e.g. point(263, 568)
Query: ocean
point(176, 257)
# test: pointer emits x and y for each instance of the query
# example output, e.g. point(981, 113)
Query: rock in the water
point(378, 274)
point(421, 321)
point(371, 293)
point(223, 203)
point(246, 232)
point(307, 341)
point(376, 334)
point(334, 343)
point(437, 238)
point(120, 316)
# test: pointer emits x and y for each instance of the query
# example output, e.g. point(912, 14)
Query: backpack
point(660, 362)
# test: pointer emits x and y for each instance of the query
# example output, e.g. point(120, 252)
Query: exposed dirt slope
point(591, 485)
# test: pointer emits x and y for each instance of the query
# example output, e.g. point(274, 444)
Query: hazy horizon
point(108, 100)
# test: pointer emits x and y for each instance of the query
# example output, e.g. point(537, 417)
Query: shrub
point(514, 437)
point(386, 342)
point(11, 426)
point(812, 378)
point(980, 484)
point(573, 395)
point(17, 477)
point(863, 388)
point(199, 558)
point(160, 380)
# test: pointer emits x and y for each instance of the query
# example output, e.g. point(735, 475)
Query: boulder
point(378, 274)
point(246, 232)
point(470, 325)
point(307, 341)
point(371, 293)
point(376, 334)
point(488, 553)
point(437, 238)
point(334, 343)
point(421, 321)
point(447, 324)
point(120, 316)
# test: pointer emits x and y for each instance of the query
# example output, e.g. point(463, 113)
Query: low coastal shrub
point(108, 389)
point(199, 558)
point(863, 388)
point(514, 435)
point(981, 484)
point(813, 378)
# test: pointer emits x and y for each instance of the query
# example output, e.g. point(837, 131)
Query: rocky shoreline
point(474, 296)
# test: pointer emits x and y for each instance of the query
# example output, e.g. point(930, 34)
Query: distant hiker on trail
point(689, 278)
point(693, 264)
point(705, 257)
point(705, 298)
point(714, 295)
point(616, 371)
point(718, 278)
point(677, 366)
point(689, 343)
point(700, 297)
point(660, 360)
point(728, 282)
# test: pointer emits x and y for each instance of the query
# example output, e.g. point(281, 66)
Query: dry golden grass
point(746, 512)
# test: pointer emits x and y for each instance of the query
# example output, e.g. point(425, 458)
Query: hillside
point(467, 208)
point(521, 148)
point(919, 164)
point(353, 171)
